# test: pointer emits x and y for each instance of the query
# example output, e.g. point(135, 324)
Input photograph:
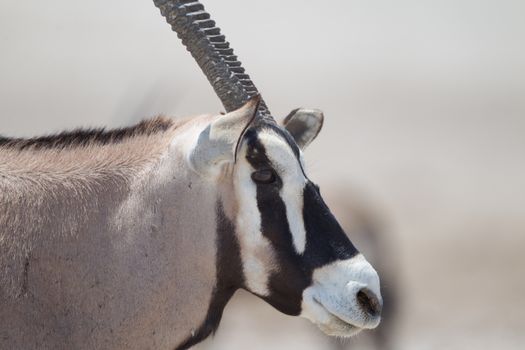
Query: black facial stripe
point(252, 132)
point(326, 241)
point(256, 152)
point(322, 229)
point(229, 277)
point(288, 282)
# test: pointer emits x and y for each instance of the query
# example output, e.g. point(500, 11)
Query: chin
point(339, 328)
point(334, 320)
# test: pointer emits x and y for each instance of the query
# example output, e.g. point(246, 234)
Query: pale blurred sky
point(424, 100)
point(65, 62)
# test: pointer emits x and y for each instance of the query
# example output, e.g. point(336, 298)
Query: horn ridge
point(211, 50)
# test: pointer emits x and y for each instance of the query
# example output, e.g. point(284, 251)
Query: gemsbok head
point(137, 238)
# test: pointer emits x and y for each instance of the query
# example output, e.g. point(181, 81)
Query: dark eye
point(265, 176)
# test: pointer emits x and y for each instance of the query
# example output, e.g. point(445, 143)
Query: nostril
point(369, 302)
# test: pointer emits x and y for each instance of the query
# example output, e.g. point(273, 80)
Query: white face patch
point(285, 162)
point(331, 301)
point(342, 296)
point(256, 252)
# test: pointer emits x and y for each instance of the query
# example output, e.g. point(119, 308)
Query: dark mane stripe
point(86, 137)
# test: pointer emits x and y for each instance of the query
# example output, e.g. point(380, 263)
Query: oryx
point(137, 238)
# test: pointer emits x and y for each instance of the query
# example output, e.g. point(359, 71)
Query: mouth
point(335, 325)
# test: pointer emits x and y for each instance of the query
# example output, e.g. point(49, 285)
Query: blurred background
point(422, 156)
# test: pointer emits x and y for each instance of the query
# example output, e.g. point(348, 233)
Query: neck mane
point(68, 175)
point(88, 137)
point(84, 155)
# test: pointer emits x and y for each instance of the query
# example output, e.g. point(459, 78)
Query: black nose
point(369, 302)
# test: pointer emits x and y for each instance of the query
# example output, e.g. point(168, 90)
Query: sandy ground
point(425, 128)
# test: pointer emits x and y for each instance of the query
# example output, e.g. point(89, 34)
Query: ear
point(216, 144)
point(304, 125)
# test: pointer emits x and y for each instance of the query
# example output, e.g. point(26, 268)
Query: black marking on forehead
point(287, 137)
point(287, 284)
point(255, 153)
point(80, 137)
point(230, 277)
point(251, 138)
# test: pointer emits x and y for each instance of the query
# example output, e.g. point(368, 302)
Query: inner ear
point(217, 142)
point(304, 125)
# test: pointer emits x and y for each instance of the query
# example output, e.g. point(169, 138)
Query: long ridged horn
point(212, 52)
